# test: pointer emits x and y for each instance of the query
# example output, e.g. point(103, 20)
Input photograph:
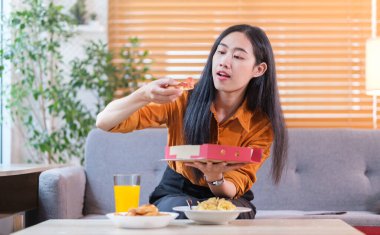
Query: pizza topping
point(186, 85)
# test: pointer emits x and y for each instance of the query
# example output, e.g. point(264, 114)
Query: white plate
point(123, 221)
point(211, 216)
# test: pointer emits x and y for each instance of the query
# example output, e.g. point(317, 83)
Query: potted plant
point(97, 72)
point(43, 99)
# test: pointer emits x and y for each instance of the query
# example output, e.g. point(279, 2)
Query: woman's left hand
point(214, 171)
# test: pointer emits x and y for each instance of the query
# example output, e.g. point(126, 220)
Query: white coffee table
point(186, 227)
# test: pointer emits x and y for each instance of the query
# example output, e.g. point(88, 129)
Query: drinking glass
point(127, 191)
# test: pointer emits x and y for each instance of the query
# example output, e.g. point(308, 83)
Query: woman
point(235, 102)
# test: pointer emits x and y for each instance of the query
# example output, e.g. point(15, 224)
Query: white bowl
point(123, 221)
point(211, 216)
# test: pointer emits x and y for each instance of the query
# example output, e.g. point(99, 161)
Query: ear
point(259, 70)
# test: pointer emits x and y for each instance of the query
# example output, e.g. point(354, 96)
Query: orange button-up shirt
point(244, 129)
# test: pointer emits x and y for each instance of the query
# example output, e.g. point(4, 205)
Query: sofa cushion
point(328, 169)
point(373, 203)
point(114, 153)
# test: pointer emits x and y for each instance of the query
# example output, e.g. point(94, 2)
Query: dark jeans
point(174, 190)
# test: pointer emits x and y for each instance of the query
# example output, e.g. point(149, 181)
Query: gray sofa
point(329, 170)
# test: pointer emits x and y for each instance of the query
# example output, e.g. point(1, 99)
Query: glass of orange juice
point(127, 191)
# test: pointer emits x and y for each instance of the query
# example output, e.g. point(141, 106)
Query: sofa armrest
point(61, 193)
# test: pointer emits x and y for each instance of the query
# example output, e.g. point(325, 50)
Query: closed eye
point(238, 57)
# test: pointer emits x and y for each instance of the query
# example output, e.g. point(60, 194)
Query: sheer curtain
point(1, 82)
point(5, 128)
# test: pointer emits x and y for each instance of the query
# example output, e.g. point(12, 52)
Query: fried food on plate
point(144, 210)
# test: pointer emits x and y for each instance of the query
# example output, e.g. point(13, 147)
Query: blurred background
point(319, 48)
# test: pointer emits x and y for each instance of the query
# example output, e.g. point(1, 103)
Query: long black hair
point(261, 93)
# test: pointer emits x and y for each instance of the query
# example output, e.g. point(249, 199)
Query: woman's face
point(233, 64)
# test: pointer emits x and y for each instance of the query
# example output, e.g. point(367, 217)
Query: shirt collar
point(243, 115)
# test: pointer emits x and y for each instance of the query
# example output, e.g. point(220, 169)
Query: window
point(5, 133)
point(1, 83)
point(319, 48)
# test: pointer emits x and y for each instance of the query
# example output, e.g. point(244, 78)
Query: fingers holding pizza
point(166, 89)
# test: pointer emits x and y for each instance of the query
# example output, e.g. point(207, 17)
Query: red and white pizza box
point(212, 152)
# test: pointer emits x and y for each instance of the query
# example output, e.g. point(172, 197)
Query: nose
point(225, 61)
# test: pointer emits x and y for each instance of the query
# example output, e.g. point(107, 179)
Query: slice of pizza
point(186, 85)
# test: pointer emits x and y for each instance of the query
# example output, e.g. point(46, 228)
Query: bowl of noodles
point(212, 211)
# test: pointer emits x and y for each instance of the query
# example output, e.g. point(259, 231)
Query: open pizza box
point(212, 152)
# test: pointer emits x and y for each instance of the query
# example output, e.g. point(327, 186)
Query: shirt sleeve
point(151, 115)
point(260, 137)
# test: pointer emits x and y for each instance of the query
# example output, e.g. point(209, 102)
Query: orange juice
point(126, 197)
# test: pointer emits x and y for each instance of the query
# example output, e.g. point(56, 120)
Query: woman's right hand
point(161, 91)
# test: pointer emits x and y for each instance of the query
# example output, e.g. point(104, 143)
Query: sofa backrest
point(328, 169)
point(107, 154)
